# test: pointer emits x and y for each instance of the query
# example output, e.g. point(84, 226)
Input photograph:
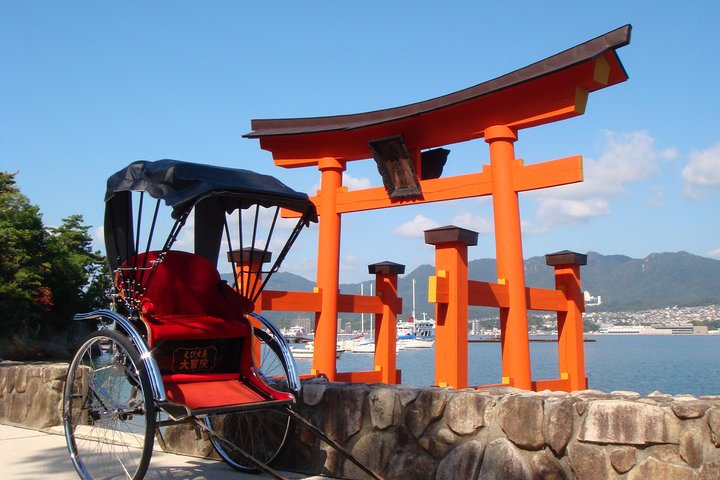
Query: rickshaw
point(182, 342)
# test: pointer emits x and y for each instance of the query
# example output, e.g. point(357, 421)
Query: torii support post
point(328, 272)
point(451, 310)
point(571, 346)
point(248, 265)
point(516, 369)
point(386, 279)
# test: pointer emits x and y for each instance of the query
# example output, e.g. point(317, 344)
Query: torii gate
point(553, 89)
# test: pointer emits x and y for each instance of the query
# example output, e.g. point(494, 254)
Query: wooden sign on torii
point(553, 89)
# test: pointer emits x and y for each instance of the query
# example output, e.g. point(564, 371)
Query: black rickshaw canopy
point(212, 190)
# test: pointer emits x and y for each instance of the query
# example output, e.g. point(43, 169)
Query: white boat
point(414, 343)
point(308, 351)
point(363, 347)
point(301, 352)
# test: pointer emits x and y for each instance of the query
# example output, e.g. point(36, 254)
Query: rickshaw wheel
point(261, 433)
point(108, 409)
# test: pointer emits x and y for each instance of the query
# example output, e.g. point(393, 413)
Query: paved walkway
point(31, 454)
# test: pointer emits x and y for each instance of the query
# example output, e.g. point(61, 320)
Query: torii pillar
point(510, 266)
point(328, 274)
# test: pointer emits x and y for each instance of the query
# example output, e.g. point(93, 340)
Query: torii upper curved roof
point(545, 91)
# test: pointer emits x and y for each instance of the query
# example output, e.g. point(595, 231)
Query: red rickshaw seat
point(200, 337)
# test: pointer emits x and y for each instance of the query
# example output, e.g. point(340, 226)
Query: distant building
point(591, 301)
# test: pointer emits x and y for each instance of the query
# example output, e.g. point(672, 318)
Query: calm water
point(643, 364)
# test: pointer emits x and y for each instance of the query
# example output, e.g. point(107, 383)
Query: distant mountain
point(624, 283)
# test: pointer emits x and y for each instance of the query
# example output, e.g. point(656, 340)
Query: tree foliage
point(46, 275)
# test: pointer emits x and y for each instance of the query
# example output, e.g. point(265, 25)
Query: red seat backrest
point(187, 284)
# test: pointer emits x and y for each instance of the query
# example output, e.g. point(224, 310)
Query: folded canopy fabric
point(184, 184)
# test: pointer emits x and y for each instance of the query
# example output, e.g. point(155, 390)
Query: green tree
point(23, 296)
point(46, 275)
point(78, 277)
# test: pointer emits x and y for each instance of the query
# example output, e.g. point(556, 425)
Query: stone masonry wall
point(504, 433)
point(433, 433)
point(31, 394)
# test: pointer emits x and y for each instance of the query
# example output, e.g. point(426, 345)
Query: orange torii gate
point(550, 90)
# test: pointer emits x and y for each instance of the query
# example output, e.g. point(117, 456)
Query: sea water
point(672, 364)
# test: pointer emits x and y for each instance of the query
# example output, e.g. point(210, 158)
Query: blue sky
point(88, 87)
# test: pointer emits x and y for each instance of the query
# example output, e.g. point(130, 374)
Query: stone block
point(713, 420)
point(407, 395)
point(21, 379)
point(625, 422)
point(710, 471)
point(427, 407)
point(3, 380)
point(654, 469)
point(382, 407)
point(665, 453)
point(372, 450)
point(313, 393)
point(521, 418)
point(465, 412)
point(18, 408)
point(546, 467)
point(56, 371)
point(589, 462)
point(689, 409)
point(10, 379)
point(343, 411)
point(412, 464)
point(503, 460)
point(43, 411)
point(185, 439)
point(691, 447)
point(558, 423)
point(438, 444)
point(623, 459)
point(462, 462)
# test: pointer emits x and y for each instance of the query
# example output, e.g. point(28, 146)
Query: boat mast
point(413, 309)
point(362, 315)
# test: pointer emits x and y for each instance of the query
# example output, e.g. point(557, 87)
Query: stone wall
point(433, 433)
point(31, 394)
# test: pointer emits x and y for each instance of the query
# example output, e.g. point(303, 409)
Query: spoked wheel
point(260, 433)
point(109, 413)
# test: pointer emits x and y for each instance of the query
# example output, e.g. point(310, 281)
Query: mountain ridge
point(659, 280)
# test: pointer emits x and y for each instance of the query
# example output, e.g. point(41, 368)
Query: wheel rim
point(108, 422)
point(260, 433)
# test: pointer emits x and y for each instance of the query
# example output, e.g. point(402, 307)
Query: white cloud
point(349, 263)
point(353, 183)
point(703, 168)
point(556, 211)
point(98, 238)
point(627, 158)
point(714, 253)
point(474, 222)
point(415, 227)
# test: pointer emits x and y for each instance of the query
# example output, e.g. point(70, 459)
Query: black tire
point(108, 409)
point(261, 433)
